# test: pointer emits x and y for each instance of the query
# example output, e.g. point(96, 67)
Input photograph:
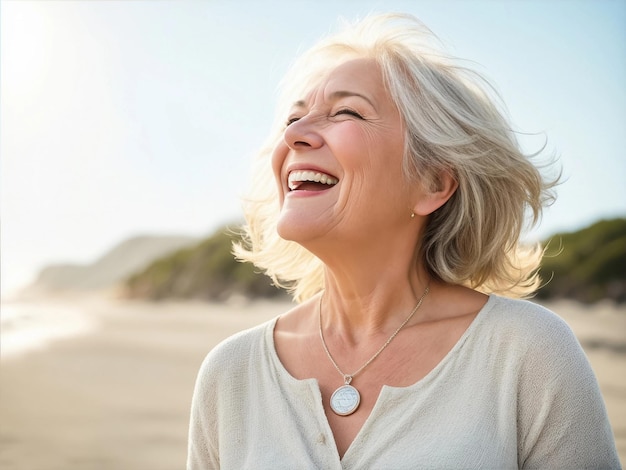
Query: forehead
point(361, 75)
point(361, 72)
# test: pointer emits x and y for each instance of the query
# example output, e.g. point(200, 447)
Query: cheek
point(350, 145)
point(377, 166)
point(376, 151)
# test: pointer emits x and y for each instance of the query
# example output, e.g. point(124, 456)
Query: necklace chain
point(348, 377)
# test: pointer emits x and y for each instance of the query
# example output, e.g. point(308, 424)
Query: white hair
point(453, 125)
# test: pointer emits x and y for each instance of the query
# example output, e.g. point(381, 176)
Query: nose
point(303, 134)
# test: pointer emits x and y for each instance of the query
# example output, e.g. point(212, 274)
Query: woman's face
point(339, 164)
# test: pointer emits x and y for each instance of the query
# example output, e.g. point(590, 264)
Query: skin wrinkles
point(362, 231)
point(334, 97)
point(318, 135)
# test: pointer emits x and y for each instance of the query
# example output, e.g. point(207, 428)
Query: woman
point(394, 216)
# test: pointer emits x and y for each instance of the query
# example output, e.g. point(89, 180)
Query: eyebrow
point(335, 95)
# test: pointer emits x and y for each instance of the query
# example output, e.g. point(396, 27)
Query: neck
point(371, 285)
point(361, 307)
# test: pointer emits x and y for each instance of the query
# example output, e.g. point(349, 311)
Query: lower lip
point(306, 193)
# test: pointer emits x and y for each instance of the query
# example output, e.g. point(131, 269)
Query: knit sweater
point(516, 391)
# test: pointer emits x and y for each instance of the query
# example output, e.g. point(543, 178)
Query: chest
point(400, 365)
point(441, 425)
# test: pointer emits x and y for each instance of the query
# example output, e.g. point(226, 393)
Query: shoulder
point(228, 365)
point(524, 310)
point(526, 321)
point(539, 346)
point(531, 339)
point(234, 353)
point(222, 375)
point(562, 422)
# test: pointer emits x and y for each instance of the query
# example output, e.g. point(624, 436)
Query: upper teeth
point(296, 177)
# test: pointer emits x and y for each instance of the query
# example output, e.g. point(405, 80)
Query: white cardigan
point(516, 391)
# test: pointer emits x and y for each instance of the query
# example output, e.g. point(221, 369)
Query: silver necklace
point(346, 399)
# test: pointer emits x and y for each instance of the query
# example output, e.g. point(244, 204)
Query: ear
point(432, 199)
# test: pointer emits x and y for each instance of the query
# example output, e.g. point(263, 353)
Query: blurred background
point(125, 118)
point(126, 134)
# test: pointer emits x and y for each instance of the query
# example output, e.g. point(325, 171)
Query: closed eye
point(349, 112)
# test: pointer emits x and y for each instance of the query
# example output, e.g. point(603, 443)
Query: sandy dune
point(118, 397)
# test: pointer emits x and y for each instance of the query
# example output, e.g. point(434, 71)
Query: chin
point(297, 230)
point(290, 232)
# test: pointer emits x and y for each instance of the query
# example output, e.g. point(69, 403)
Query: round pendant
point(345, 400)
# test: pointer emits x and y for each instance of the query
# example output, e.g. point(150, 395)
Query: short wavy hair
point(453, 123)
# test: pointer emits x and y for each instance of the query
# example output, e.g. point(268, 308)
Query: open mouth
point(308, 180)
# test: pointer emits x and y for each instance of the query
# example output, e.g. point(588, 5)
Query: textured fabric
point(516, 391)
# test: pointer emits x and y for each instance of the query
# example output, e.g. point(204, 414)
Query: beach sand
point(118, 396)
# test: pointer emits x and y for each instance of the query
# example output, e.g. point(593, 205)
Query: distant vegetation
point(206, 271)
point(587, 265)
point(118, 263)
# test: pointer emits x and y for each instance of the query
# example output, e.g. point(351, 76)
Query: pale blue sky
point(121, 118)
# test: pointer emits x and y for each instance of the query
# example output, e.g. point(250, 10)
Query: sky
point(124, 118)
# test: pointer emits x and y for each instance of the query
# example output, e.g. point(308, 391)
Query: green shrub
point(207, 271)
point(587, 265)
